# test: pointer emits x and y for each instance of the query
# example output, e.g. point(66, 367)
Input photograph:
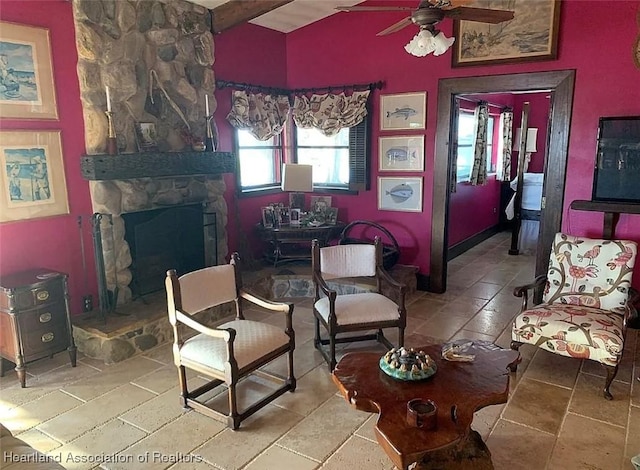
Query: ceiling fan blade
point(481, 15)
point(396, 27)
point(381, 8)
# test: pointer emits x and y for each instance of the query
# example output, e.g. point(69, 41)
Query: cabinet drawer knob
point(47, 337)
point(45, 317)
point(42, 295)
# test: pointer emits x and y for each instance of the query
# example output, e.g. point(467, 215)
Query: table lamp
point(297, 179)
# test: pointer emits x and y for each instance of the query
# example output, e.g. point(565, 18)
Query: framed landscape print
point(26, 73)
point(400, 194)
point(32, 181)
point(531, 35)
point(403, 111)
point(401, 153)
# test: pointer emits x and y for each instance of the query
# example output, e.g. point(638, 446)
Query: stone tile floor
point(129, 412)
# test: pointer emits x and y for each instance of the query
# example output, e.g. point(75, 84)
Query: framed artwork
point(268, 217)
point(403, 111)
point(331, 215)
point(401, 153)
point(484, 43)
point(400, 194)
point(296, 200)
point(26, 73)
point(320, 203)
point(32, 179)
point(146, 136)
point(294, 217)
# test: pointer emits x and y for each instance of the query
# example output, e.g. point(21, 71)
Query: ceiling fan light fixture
point(421, 44)
point(442, 43)
point(427, 42)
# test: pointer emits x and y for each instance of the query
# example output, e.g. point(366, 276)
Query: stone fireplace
point(156, 57)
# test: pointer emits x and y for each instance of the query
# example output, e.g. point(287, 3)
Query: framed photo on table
point(32, 180)
point(26, 73)
point(403, 111)
point(146, 136)
point(401, 153)
point(400, 194)
point(486, 44)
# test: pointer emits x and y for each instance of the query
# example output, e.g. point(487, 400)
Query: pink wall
point(341, 49)
point(606, 84)
point(53, 242)
point(264, 65)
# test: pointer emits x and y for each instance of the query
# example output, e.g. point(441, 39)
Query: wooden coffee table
point(458, 390)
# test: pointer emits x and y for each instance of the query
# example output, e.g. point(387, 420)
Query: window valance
point(262, 114)
point(330, 112)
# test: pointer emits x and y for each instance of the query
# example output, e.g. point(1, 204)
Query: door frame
point(561, 85)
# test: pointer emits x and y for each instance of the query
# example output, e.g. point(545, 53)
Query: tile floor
point(556, 417)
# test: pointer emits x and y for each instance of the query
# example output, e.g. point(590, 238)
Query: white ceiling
point(293, 15)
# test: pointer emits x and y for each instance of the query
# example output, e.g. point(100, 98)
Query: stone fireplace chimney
point(156, 58)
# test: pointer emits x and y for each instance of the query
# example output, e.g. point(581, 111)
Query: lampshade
point(297, 177)
point(532, 137)
point(427, 41)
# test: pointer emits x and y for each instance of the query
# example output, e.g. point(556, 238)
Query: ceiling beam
point(235, 12)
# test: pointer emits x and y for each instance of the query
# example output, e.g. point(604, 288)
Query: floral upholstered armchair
point(585, 303)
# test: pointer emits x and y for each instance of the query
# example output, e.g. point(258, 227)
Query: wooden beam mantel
point(235, 12)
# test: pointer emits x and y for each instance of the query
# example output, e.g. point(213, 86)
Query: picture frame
point(487, 44)
point(27, 88)
point(400, 193)
point(320, 203)
point(401, 153)
point(296, 200)
point(268, 217)
point(295, 217)
point(403, 111)
point(284, 216)
point(146, 136)
point(331, 215)
point(32, 180)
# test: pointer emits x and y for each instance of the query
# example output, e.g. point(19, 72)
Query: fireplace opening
point(162, 239)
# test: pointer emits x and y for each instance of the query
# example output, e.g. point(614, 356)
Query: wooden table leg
point(471, 452)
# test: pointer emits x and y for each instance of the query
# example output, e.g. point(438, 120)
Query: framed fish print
point(506, 42)
point(400, 194)
point(32, 181)
point(26, 73)
point(403, 111)
point(401, 153)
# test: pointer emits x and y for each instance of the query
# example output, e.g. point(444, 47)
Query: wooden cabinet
point(34, 318)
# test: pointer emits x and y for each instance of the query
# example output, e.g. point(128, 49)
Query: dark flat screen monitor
point(617, 170)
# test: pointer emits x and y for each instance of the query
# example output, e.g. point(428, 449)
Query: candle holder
point(112, 144)
point(209, 142)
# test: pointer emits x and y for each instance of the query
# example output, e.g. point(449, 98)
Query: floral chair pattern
point(585, 302)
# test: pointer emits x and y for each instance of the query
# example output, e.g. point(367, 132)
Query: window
point(328, 155)
point(466, 132)
point(339, 161)
point(258, 161)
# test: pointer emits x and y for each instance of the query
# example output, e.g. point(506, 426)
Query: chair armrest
point(268, 304)
point(322, 284)
point(225, 334)
point(400, 287)
point(523, 291)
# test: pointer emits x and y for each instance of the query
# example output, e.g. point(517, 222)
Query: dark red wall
point(344, 48)
point(265, 65)
point(53, 242)
point(539, 118)
point(341, 49)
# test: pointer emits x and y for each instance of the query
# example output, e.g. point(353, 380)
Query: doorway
point(561, 85)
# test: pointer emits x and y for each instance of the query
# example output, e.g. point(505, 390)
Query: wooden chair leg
point(332, 352)
point(515, 345)
point(182, 379)
point(233, 421)
point(611, 374)
point(291, 379)
point(400, 337)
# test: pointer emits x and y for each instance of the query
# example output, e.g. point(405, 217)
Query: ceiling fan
point(427, 15)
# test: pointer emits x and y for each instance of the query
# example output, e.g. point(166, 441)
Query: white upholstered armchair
point(346, 313)
point(230, 351)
